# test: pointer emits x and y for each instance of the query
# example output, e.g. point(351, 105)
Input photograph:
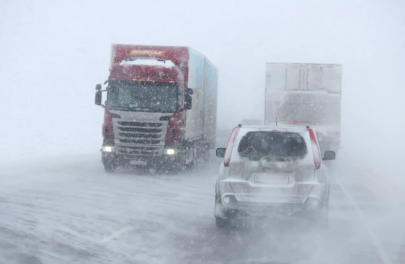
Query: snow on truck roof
point(120, 53)
point(177, 54)
point(149, 62)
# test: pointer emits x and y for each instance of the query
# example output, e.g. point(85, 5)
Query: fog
point(52, 54)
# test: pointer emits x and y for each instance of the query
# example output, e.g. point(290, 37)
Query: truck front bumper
point(163, 161)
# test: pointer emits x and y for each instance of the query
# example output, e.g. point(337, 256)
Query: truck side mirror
point(220, 152)
point(190, 91)
point(97, 100)
point(188, 102)
point(98, 87)
point(329, 155)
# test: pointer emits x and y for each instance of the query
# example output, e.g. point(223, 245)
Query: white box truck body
point(304, 94)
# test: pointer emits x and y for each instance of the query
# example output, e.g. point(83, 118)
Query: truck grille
point(140, 124)
point(140, 138)
point(144, 130)
point(140, 135)
point(152, 136)
point(153, 142)
point(145, 151)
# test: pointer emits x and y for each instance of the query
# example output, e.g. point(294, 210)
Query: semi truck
point(160, 109)
point(303, 94)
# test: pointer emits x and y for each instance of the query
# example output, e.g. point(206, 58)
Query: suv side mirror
point(329, 155)
point(98, 97)
point(220, 152)
point(188, 102)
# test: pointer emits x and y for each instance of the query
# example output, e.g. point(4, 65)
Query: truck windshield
point(144, 97)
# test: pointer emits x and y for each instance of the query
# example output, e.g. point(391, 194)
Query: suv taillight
point(315, 148)
point(229, 147)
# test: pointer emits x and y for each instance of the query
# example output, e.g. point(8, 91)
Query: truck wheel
point(222, 222)
point(193, 153)
point(109, 168)
point(180, 165)
point(205, 154)
point(190, 165)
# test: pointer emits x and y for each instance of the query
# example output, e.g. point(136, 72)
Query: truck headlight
point(171, 151)
point(108, 149)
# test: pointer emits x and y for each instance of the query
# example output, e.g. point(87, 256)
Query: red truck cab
point(156, 106)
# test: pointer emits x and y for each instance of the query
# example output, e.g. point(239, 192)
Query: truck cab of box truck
point(150, 115)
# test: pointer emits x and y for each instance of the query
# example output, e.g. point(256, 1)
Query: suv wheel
point(324, 220)
point(219, 221)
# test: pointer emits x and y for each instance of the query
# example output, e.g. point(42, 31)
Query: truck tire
point(109, 168)
point(206, 154)
point(182, 164)
point(193, 152)
point(222, 222)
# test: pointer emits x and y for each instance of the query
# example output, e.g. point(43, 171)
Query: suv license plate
point(271, 178)
point(138, 162)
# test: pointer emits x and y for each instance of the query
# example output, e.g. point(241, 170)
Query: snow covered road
point(70, 211)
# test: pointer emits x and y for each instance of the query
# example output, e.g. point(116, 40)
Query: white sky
point(52, 53)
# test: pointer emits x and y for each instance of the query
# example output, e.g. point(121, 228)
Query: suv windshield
point(145, 97)
point(281, 146)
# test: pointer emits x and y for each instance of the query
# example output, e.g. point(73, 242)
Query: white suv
point(272, 171)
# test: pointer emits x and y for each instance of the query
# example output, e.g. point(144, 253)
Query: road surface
point(70, 211)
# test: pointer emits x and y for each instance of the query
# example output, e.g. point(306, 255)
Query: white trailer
point(304, 94)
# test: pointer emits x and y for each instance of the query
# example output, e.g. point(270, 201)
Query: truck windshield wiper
point(153, 110)
point(131, 108)
point(161, 110)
